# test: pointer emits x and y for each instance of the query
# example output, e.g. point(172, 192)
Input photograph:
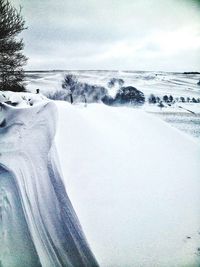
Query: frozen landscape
point(184, 116)
point(99, 133)
point(134, 182)
point(131, 177)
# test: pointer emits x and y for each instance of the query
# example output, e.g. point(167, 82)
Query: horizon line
point(114, 70)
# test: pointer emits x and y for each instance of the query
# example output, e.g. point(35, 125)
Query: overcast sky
point(112, 34)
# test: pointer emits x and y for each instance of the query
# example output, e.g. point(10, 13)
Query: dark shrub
point(126, 96)
point(158, 99)
point(108, 100)
point(194, 100)
point(161, 105)
point(182, 99)
point(171, 98)
point(152, 99)
point(130, 95)
point(165, 98)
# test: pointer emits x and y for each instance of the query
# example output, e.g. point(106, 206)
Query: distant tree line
point(191, 72)
point(76, 91)
point(81, 92)
point(171, 100)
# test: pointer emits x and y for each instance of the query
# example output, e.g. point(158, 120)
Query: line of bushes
point(76, 91)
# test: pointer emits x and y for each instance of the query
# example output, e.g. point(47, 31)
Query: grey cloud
point(83, 30)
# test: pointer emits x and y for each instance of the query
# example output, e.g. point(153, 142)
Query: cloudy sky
point(112, 34)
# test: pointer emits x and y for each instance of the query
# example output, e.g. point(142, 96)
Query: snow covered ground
point(134, 183)
point(158, 83)
point(132, 179)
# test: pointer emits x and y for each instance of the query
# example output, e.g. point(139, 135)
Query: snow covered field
point(149, 82)
point(134, 182)
point(132, 179)
point(158, 83)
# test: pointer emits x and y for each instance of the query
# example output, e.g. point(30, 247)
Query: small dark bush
point(157, 99)
point(152, 99)
point(161, 105)
point(171, 98)
point(108, 100)
point(165, 98)
point(182, 99)
point(194, 100)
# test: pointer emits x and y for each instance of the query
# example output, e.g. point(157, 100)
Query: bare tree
point(11, 57)
point(69, 84)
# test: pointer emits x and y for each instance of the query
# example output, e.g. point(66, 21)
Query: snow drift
point(38, 226)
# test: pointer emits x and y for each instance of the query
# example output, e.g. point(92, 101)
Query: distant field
point(158, 83)
point(187, 122)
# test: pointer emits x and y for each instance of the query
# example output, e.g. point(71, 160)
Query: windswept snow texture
point(38, 226)
point(134, 182)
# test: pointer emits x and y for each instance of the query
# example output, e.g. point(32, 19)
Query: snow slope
point(132, 179)
point(134, 183)
point(38, 225)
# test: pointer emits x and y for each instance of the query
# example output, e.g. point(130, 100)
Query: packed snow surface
point(134, 183)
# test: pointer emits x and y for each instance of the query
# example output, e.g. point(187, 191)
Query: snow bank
point(38, 226)
point(134, 183)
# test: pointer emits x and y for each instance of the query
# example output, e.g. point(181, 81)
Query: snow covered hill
point(134, 183)
point(132, 179)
